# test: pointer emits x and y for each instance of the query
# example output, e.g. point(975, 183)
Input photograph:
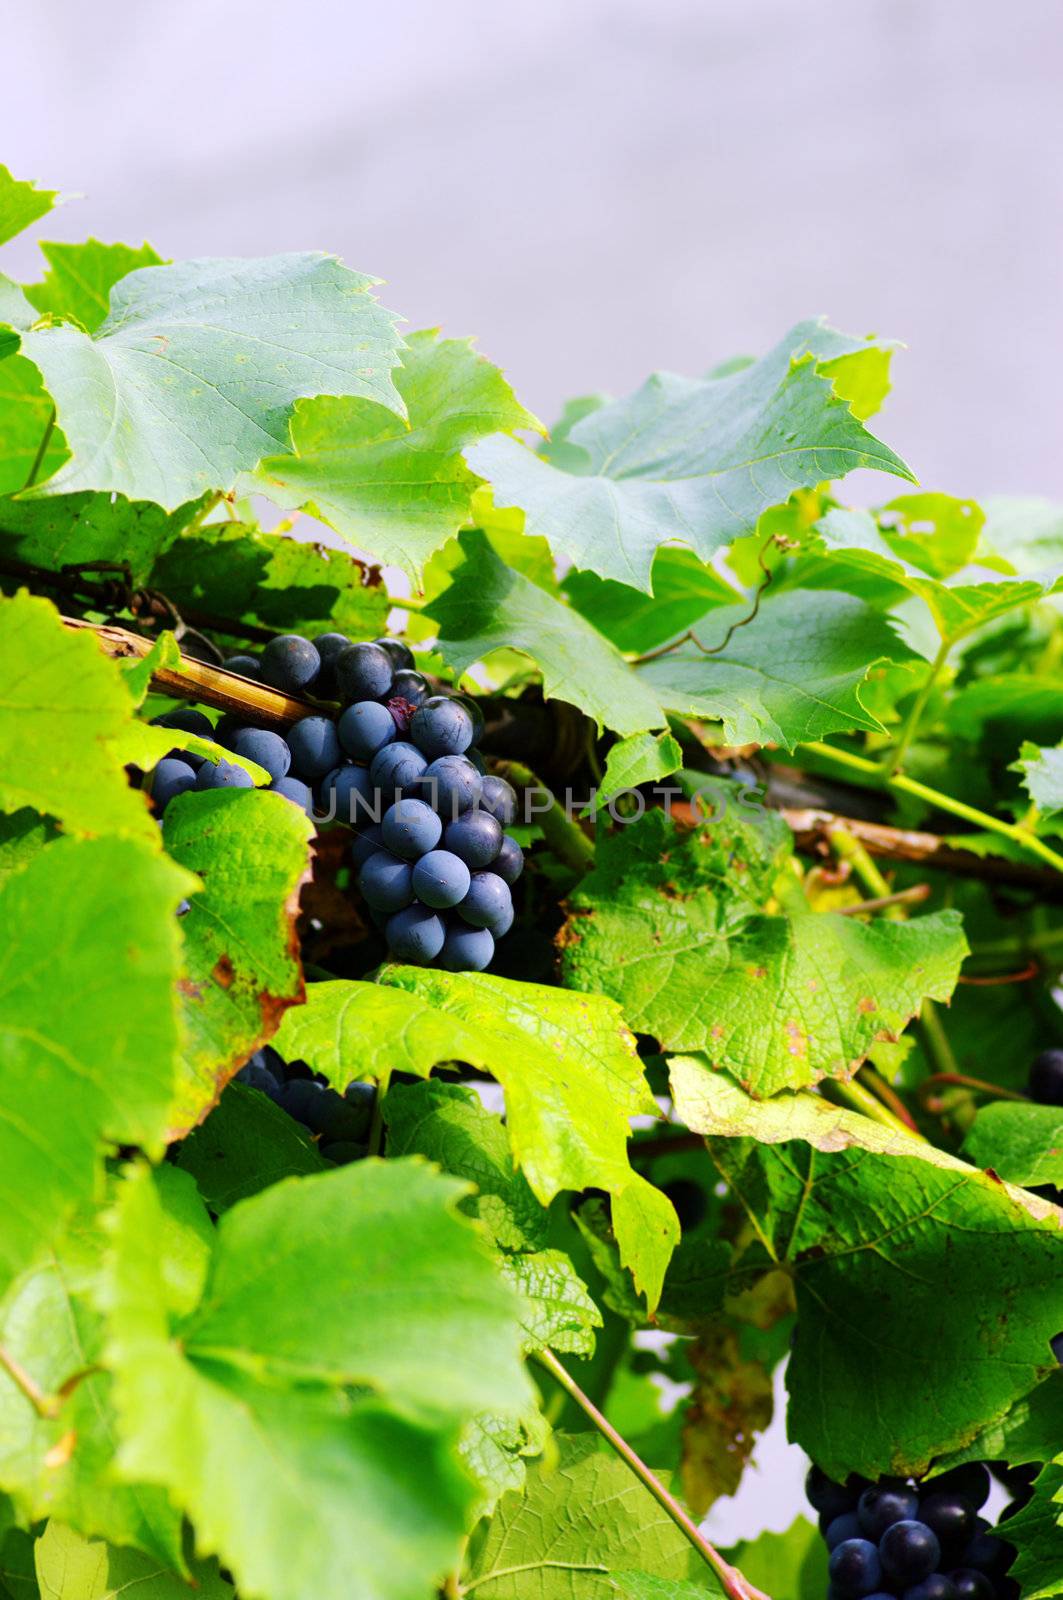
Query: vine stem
point(962, 1080)
point(735, 1584)
point(562, 833)
point(915, 715)
point(859, 1098)
point(46, 1406)
point(944, 802)
point(42, 448)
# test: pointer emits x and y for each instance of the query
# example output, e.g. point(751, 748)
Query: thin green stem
point(46, 439)
point(943, 802)
point(562, 833)
point(46, 1406)
point(936, 1040)
point(915, 715)
point(859, 1098)
point(376, 1125)
point(735, 1585)
point(209, 505)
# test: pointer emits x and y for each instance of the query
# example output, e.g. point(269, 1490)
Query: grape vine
point(559, 933)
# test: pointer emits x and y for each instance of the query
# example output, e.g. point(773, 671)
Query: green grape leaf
point(1042, 778)
point(796, 672)
point(648, 1586)
point(352, 1325)
point(640, 758)
point(557, 1311)
point(18, 1578)
point(1029, 1432)
point(191, 378)
point(790, 1566)
point(576, 1524)
point(77, 285)
point(272, 581)
point(490, 606)
point(242, 968)
point(67, 726)
point(1022, 1143)
point(862, 1218)
point(88, 1025)
point(59, 1465)
point(684, 589)
point(566, 1062)
point(25, 411)
point(449, 1124)
point(21, 203)
point(672, 931)
point(689, 461)
point(70, 1567)
point(90, 527)
point(400, 492)
point(243, 1146)
point(495, 1450)
point(1025, 531)
point(1036, 1533)
point(22, 835)
point(969, 598)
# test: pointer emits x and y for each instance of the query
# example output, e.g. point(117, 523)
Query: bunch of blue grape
point(339, 1122)
point(899, 1540)
point(399, 765)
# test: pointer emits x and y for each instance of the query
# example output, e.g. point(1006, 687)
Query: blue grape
point(475, 714)
point(488, 903)
point(257, 1075)
point(935, 1586)
point(386, 884)
point(474, 836)
point(830, 1499)
point(413, 687)
point(226, 775)
point(969, 1584)
point(509, 862)
point(855, 1569)
point(328, 647)
point(397, 767)
point(451, 784)
point(883, 1504)
point(295, 790)
point(187, 719)
point(290, 663)
point(244, 666)
point(985, 1551)
point(504, 923)
point(401, 655)
point(909, 1551)
point(1045, 1084)
point(365, 728)
point(466, 949)
point(415, 935)
point(363, 672)
point(411, 829)
point(950, 1516)
point(500, 799)
point(350, 795)
point(299, 1097)
point(441, 727)
point(268, 749)
point(971, 1480)
point(171, 777)
point(840, 1528)
point(367, 842)
point(314, 746)
point(440, 879)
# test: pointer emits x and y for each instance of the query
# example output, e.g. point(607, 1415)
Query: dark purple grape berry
point(855, 1569)
point(226, 775)
point(295, 790)
point(290, 663)
point(951, 1517)
point(364, 672)
point(411, 828)
point(412, 687)
point(509, 862)
point(971, 1480)
point(500, 799)
point(441, 727)
point(415, 935)
point(881, 1505)
point(347, 793)
point(475, 836)
point(315, 747)
point(488, 904)
point(466, 949)
point(187, 719)
point(367, 842)
point(935, 1586)
point(397, 769)
point(1046, 1078)
point(386, 884)
point(268, 749)
point(328, 647)
point(847, 1526)
point(366, 727)
point(401, 655)
point(171, 777)
point(967, 1584)
point(909, 1550)
point(451, 785)
point(244, 666)
point(440, 879)
point(824, 1495)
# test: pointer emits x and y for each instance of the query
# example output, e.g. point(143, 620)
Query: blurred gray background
point(603, 187)
point(600, 188)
